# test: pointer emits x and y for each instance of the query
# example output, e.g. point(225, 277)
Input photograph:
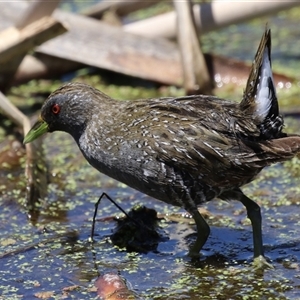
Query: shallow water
point(55, 253)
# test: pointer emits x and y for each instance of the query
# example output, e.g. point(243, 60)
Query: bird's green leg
point(203, 232)
point(253, 212)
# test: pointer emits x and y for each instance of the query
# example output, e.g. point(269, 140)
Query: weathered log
point(95, 43)
point(15, 42)
point(195, 72)
point(209, 16)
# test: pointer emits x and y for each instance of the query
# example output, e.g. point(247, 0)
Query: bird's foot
point(260, 263)
point(194, 251)
point(194, 254)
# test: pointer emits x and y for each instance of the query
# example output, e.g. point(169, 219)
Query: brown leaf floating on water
point(111, 286)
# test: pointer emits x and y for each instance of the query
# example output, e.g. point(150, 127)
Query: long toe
point(260, 263)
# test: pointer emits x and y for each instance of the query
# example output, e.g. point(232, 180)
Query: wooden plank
point(95, 43)
point(15, 42)
point(195, 73)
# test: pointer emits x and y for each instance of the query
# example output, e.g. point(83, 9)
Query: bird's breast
point(131, 163)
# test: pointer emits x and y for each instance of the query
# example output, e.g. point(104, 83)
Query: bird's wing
point(198, 135)
point(201, 153)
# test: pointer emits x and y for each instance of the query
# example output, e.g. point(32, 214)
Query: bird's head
point(67, 109)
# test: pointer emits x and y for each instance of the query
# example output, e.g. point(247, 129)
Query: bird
point(185, 150)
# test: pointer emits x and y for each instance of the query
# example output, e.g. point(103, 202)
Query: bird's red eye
point(55, 109)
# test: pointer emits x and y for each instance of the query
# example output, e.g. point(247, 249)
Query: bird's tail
point(259, 99)
point(283, 148)
point(272, 151)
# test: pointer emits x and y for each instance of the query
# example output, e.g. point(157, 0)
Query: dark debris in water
point(139, 232)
